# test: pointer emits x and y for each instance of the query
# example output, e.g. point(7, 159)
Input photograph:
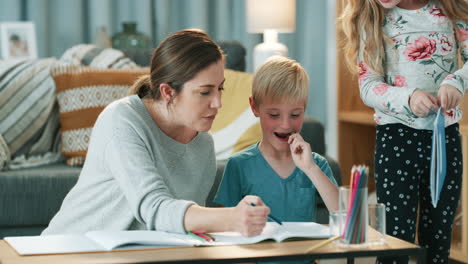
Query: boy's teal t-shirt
point(291, 200)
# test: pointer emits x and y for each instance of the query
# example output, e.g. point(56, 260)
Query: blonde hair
point(280, 79)
point(361, 17)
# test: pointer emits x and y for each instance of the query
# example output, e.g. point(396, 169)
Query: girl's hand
point(300, 152)
point(421, 103)
point(449, 97)
point(247, 219)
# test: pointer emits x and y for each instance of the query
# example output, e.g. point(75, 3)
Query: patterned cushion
point(91, 55)
point(82, 93)
point(235, 127)
point(27, 100)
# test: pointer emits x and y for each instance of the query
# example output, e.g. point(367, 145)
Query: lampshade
point(271, 14)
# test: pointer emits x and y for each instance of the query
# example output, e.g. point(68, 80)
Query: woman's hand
point(247, 219)
point(449, 97)
point(421, 103)
point(300, 152)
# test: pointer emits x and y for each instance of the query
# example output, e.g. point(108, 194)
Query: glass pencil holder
point(376, 230)
point(353, 202)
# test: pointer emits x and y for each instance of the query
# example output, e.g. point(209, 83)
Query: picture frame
point(18, 40)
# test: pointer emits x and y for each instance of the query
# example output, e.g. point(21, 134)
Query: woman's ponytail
point(142, 87)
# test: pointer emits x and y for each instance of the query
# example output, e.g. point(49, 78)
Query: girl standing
point(407, 54)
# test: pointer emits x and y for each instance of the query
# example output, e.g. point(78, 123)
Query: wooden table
point(293, 250)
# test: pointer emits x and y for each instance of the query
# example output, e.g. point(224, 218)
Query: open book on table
point(99, 241)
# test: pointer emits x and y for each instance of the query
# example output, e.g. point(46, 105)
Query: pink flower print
point(399, 81)
point(437, 12)
point(449, 77)
point(463, 34)
point(363, 71)
point(380, 89)
point(422, 48)
point(445, 44)
point(450, 113)
point(396, 40)
point(438, 15)
point(377, 119)
point(390, 17)
point(385, 111)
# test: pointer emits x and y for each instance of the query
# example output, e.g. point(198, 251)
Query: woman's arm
point(244, 218)
point(153, 204)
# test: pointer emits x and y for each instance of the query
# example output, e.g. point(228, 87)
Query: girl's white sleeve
point(459, 79)
point(378, 94)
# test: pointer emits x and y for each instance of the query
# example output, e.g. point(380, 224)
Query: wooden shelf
point(357, 117)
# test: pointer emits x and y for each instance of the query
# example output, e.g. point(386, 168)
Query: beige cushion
point(235, 127)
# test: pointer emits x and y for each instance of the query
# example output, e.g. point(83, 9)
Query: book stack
point(355, 229)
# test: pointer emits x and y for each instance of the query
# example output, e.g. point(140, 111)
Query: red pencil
point(204, 236)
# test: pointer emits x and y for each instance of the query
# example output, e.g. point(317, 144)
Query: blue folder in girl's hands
point(439, 158)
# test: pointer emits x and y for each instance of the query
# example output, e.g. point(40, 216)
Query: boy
point(281, 169)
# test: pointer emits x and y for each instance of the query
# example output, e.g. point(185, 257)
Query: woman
point(151, 162)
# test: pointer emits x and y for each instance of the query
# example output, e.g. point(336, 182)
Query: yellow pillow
point(235, 127)
point(82, 93)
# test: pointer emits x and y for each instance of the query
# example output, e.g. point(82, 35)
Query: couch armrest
point(29, 198)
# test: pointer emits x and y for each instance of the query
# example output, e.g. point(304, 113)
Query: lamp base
point(265, 50)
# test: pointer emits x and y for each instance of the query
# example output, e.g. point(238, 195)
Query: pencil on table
point(322, 244)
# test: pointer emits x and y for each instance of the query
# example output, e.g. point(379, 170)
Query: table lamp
point(270, 17)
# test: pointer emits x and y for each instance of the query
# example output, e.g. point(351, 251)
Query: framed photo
point(18, 40)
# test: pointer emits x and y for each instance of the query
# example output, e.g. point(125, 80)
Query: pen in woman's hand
point(270, 216)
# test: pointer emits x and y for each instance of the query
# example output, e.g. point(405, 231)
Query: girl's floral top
point(423, 56)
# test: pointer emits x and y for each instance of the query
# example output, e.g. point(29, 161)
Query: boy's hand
point(300, 152)
point(250, 220)
point(449, 97)
point(421, 103)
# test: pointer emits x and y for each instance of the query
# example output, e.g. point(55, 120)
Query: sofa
point(30, 197)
